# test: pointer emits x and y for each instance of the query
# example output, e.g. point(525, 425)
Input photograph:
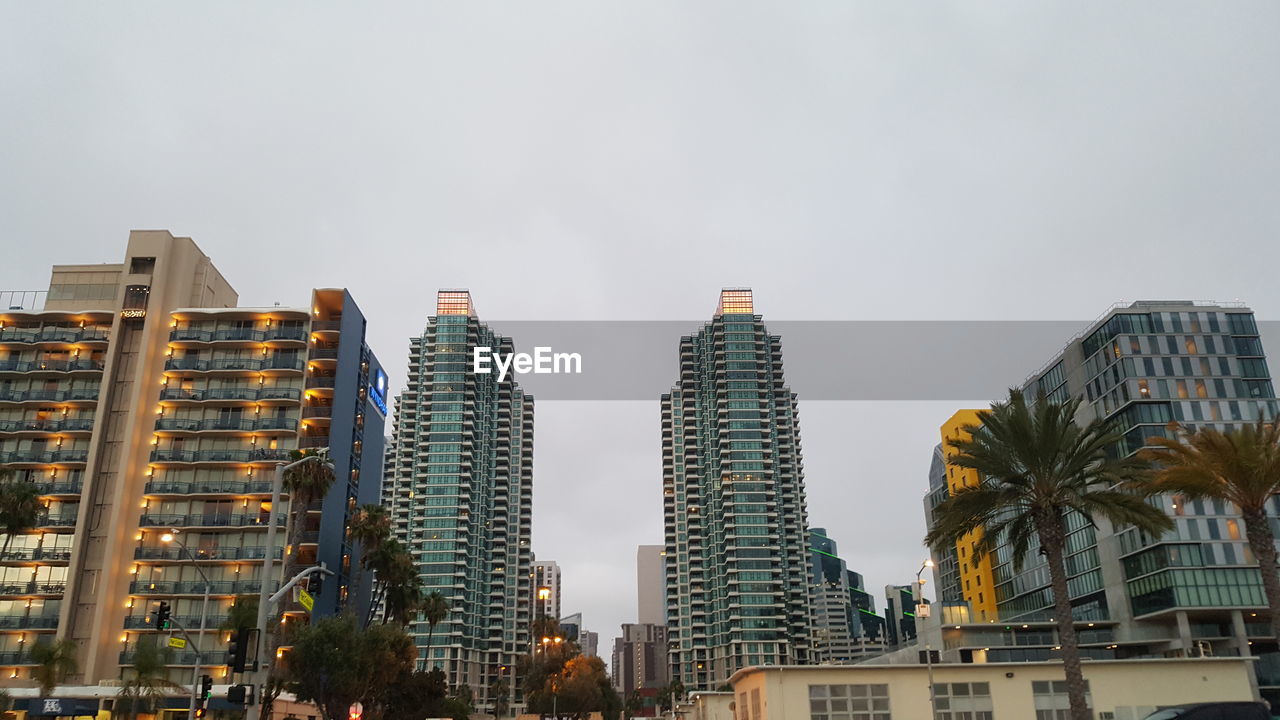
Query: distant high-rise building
point(946, 567)
point(651, 585)
point(461, 494)
point(832, 637)
point(869, 629)
point(1196, 589)
point(589, 642)
point(639, 658)
point(900, 614)
point(546, 589)
point(139, 400)
point(734, 503)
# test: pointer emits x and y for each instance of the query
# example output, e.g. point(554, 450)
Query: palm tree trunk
point(1052, 541)
point(1262, 541)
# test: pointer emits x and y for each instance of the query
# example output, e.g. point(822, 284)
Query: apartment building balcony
point(216, 425)
point(39, 427)
point(58, 457)
point(216, 554)
point(323, 353)
point(307, 442)
point(50, 366)
point(320, 382)
point(15, 657)
point(34, 396)
point(207, 520)
point(66, 487)
point(28, 622)
point(317, 412)
point(219, 456)
point(193, 587)
point(23, 589)
point(208, 487)
point(40, 555)
point(190, 622)
point(326, 326)
point(65, 336)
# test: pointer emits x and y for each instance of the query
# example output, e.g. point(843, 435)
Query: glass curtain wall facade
point(737, 572)
point(461, 493)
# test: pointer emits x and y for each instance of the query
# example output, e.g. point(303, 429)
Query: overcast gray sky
point(569, 161)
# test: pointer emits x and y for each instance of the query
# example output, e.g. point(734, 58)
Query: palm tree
point(1038, 466)
point(1240, 467)
point(20, 508)
point(435, 608)
point(243, 613)
point(305, 483)
point(149, 684)
point(371, 527)
point(55, 661)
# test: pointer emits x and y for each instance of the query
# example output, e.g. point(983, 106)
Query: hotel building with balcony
point(140, 401)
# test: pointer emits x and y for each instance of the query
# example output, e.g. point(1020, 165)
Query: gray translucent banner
point(822, 360)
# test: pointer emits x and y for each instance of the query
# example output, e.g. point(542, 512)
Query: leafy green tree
point(1038, 466)
point(1241, 467)
point(146, 687)
point(55, 660)
point(670, 695)
point(500, 692)
point(243, 613)
point(334, 663)
point(20, 508)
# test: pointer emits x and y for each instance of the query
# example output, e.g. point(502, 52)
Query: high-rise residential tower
point(140, 400)
point(1196, 589)
point(461, 493)
point(651, 585)
point(639, 658)
point(546, 589)
point(734, 503)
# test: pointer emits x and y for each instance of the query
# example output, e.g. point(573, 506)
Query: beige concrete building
point(1118, 690)
point(139, 400)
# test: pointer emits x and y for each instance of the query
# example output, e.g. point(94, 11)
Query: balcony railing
point(210, 424)
point(33, 588)
point(206, 487)
point(326, 325)
point(67, 519)
point(49, 365)
point(286, 333)
point(193, 587)
point(49, 395)
point(51, 334)
point(69, 487)
point(316, 381)
point(317, 411)
point(324, 353)
point(191, 456)
point(28, 622)
point(313, 441)
point(207, 520)
point(254, 552)
point(53, 456)
point(52, 426)
point(34, 554)
point(232, 393)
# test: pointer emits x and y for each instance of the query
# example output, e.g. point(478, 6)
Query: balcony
point(231, 393)
point(45, 458)
point(202, 520)
point(53, 334)
point(46, 426)
point(26, 366)
point(69, 487)
point(193, 587)
point(324, 353)
point(317, 381)
point(226, 334)
point(49, 395)
point(326, 326)
point(190, 622)
point(220, 456)
point(207, 487)
point(254, 552)
point(286, 333)
point(33, 588)
point(225, 425)
point(283, 363)
point(28, 622)
point(37, 555)
point(317, 411)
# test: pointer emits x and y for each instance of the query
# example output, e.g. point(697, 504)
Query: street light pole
point(254, 711)
point(928, 648)
point(172, 536)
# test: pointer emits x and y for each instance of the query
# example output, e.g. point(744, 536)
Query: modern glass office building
point(845, 629)
point(461, 495)
point(1197, 589)
point(734, 505)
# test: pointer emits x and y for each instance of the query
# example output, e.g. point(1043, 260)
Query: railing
point(15, 657)
point(207, 520)
point(28, 622)
point(320, 382)
point(33, 588)
point(317, 411)
point(198, 425)
point(189, 456)
point(69, 487)
point(267, 393)
point(52, 334)
point(31, 554)
point(234, 334)
point(287, 333)
point(49, 395)
point(309, 538)
point(161, 487)
point(49, 365)
point(55, 456)
point(57, 520)
point(313, 441)
point(193, 587)
point(289, 363)
point(253, 552)
point(326, 325)
point(46, 425)
point(324, 353)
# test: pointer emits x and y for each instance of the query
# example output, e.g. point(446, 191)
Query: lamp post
point(254, 711)
point(172, 537)
point(928, 649)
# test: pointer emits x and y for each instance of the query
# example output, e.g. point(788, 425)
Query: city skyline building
point(546, 589)
point(639, 659)
point(651, 585)
point(141, 384)
point(1196, 589)
point(733, 503)
point(461, 494)
point(900, 614)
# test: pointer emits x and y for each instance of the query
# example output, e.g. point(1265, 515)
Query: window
point(1051, 700)
point(963, 701)
point(849, 702)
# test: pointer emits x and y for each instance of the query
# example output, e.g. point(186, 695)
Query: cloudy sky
point(601, 161)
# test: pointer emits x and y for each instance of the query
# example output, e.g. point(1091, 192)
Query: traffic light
point(238, 650)
point(162, 616)
point(239, 695)
point(206, 688)
point(199, 712)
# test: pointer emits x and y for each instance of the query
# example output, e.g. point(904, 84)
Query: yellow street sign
point(305, 599)
point(177, 642)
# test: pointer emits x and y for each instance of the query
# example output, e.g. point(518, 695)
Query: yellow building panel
point(977, 581)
